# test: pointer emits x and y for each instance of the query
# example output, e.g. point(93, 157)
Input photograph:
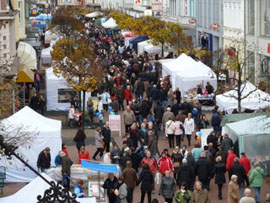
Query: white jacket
point(169, 127)
point(189, 126)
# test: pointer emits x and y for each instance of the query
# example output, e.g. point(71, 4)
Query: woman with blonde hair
point(219, 171)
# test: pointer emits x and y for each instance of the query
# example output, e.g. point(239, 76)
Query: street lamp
point(56, 193)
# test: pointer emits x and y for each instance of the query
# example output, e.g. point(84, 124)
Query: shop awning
point(27, 62)
point(103, 168)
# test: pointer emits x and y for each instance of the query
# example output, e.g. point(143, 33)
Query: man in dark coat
point(203, 170)
point(66, 168)
point(185, 174)
point(158, 111)
point(44, 159)
point(106, 132)
point(34, 103)
point(144, 109)
point(216, 120)
point(111, 185)
point(175, 108)
point(125, 158)
point(139, 89)
point(239, 170)
point(212, 139)
point(154, 93)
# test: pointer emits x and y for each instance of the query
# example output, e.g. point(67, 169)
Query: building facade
point(209, 24)
point(258, 35)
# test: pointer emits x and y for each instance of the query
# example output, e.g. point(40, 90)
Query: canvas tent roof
point(148, 47)
point(46, 133)
point(29, 193)
point(256, 99)
point(186, 73)
point(253, 136)
point(109, 23)
point(230, 118)
point(94, 14)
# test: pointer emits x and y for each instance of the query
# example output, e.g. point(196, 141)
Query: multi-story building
point(157, 7)
point(7, 36)
point(258, 35)
point(209, 23)
point(182, 12)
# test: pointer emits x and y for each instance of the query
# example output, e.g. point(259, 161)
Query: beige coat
point(200, 196)
point(233, 193)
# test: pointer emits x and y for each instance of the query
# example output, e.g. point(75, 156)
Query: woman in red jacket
point(83, 154)
point(165, 163)
point(128, 94)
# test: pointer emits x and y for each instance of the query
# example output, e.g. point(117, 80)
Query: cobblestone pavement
point(67, 136)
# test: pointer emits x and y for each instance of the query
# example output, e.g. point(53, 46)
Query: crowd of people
point(134, 88)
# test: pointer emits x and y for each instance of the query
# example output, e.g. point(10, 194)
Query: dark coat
point(191, 162)
point(147, 180)
point(213, 139)
point(219, 171)
point(158, 110)
point(140, 88)
point(124, 160)
point(216, 120)
point(154, 93)
point(175, 109)
point(162, 95)
point(144, 109)
point(135, 159)
point(110, 185)
point(185, 174)
point(239, 170)
point(203, 169)
point(66, 164)
point(106, 132)
point(42, 161)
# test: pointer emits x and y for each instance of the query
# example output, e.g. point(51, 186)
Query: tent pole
point(99, 186)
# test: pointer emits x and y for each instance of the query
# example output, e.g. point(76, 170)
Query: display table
point(77, 173)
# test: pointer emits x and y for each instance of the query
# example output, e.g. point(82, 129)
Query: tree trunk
point(83, 110)
point(239, 83)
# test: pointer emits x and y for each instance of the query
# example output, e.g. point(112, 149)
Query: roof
point(230, 118)
point(259, 125)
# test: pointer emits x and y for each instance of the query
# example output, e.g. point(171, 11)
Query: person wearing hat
point(244, 161)
point(125, 158)
point(44, 160)
point(219, 171)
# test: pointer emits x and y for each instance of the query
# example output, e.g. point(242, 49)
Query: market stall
point(29, 193)
point(94, 14)
point(111, 23)
point(45, 57)
point(255, 99)
point(134, 42)
point(148, 47)
point(253, 135)
point(44, 132)
point(58, 92)
point(186, 73)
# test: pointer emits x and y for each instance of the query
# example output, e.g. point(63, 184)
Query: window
point(251, 16)
point(265, 17)
point(186, 8)
point(172, 7)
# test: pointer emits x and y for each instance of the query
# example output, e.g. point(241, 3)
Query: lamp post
point(56, 193)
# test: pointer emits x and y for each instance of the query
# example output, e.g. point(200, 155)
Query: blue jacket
point(58, 160)
point(78, 191)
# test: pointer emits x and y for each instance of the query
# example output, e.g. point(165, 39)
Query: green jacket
point(182, 198)
point(256, 177)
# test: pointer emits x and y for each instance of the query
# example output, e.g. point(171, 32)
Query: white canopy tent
point(254, 130)
point(109, 23)
point(46, 57)
point(29, 193)
point(186, 73)
point(50, 36)
point(46, 133)
point(148, 47)
point(27, 56)
point(94, 14)
point(53, 85)
point(256, 99)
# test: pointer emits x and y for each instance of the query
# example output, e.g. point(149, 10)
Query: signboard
point(268, 48)
point(96, 190)
point(115, 123)
point(205, 133)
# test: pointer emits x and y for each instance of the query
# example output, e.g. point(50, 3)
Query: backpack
point(195, 112)
point(182, 128)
